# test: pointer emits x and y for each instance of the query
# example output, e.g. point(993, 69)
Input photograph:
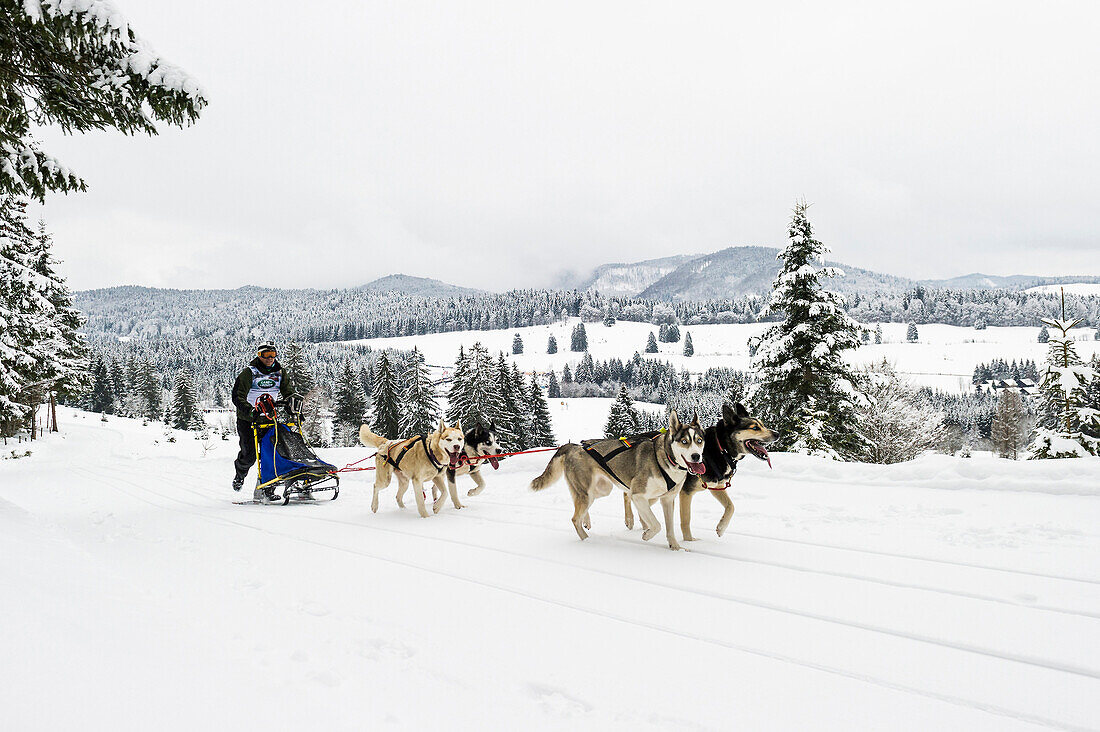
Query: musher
point(263, 376)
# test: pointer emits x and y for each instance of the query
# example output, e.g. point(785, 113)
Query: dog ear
point(741, 411)
point(673, 422)
point(695, 419)
point(458, 426)
point(442, 425)
point(728, 414)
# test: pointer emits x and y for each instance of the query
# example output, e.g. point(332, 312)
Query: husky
point(733, 437)
point(646, 470)
point(417, 460)
point(481, 447)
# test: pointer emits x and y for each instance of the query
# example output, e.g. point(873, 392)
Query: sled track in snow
point(194, 509)
point(857, 550)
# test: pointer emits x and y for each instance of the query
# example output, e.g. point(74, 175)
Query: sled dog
point(733, 437)
point(652, 468)
point(416, 460)
point(481, 442)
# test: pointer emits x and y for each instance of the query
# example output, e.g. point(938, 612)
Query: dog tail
point(553, 472)
point(370, 439)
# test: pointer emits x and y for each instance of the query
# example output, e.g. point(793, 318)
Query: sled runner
point(283, 458)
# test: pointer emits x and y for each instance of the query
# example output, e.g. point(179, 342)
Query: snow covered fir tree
point(42, 353)
point(622, 419)
point(805, 390)
point(385, 416)
point(419, 409)
point(349, 407)
point(1067, 422)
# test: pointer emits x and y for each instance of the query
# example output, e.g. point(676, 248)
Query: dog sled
point(284, 460)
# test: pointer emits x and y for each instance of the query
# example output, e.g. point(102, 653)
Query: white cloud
point(495, 144)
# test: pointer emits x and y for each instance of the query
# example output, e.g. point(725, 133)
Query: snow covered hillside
point(944, 356)
point(939, 594)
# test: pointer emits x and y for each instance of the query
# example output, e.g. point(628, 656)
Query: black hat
point(264, 347)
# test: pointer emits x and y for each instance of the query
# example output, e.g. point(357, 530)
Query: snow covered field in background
point(944, 357)
point(1074, 288)
point(939, 594)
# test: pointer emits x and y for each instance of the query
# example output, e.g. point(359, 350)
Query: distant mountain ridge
point(729, 273)
point(423, 286)
point(978, 281)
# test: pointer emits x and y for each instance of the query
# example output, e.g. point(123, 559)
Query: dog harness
point(396, 462)
point(730, 461)
point(603, 460)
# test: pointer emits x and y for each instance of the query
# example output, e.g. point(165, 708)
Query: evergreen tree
point(566, 375)
point(553, 388)
point(101, 399)
point(147, 383)
point(349, 407)
point(386, 414)
point(474, 397)
point(69, 372)
point(622, 420)
point(911, 333)
point(586, 370)
point(689, 348)
point(579, 341)
point(540, 433)
point(186, 414)
point(509, 420)
point(27, 331)
point(673, 333)
point(551, 345)
point(806, 391)
point(82, 71)
point(609, 321)
point(419, 410)
point(662, 333)
point(294, 365)
point(1008, 428)
point(878, 333)
point(1044, 335)
point(517, 345)
point(651, 343)
point(1065, 419)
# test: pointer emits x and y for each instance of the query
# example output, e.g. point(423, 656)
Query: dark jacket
point(243, 384)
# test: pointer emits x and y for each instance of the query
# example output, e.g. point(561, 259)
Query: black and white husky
point(481, 442)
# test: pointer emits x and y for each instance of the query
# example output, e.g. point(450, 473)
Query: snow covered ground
point(1073, 288)
point(944, 357)
point(940, 594)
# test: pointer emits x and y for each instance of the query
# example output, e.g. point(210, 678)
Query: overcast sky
point(497, 145)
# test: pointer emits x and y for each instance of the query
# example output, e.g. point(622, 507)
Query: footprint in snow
point(557, 702)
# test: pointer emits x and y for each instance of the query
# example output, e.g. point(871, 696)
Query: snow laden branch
point(79, 65)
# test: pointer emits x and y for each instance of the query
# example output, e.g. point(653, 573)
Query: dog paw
point(471, 492)
point(649, 534)
point(689, 537)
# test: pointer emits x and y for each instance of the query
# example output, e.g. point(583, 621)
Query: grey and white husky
point(651, 468)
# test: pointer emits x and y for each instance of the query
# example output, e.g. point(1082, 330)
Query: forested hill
point(329, 315)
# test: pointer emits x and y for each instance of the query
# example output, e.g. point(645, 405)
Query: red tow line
point(349, 469)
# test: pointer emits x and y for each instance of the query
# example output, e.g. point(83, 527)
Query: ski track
point(858, 550)
point(195, 509)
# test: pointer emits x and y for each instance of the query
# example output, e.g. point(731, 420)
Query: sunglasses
point(268, 354)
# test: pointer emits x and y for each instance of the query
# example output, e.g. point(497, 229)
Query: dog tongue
point(495, 462)
point(697, 468)
point(454, 458)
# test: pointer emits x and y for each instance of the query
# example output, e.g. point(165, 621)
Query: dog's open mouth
point(697, 468)
point(756, 447)
point(454, 457)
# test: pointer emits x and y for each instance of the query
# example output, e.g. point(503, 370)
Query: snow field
point(940, 594)
point(944, 357)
